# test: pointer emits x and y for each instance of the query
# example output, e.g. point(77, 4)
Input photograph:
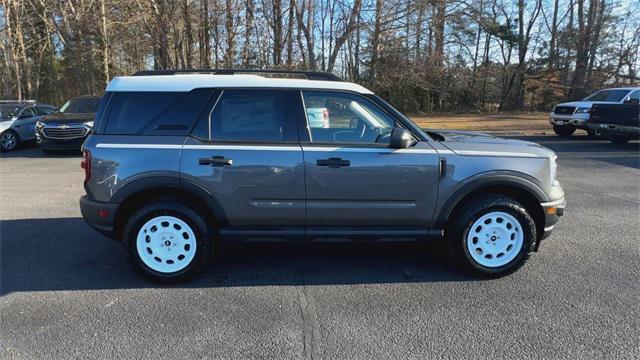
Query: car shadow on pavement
point(65, 254)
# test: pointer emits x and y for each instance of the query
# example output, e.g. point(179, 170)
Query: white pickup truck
point(567, 117)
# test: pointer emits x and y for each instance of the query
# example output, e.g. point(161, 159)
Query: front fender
point(475, 184)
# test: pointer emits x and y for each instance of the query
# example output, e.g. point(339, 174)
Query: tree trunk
point(188, 44)
point(349, 28)
point(231, 34)
point(375, 42)
point(248, 30)
point(439, 23)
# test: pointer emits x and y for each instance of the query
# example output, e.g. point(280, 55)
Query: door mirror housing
point(631, 101)
point(400, 138)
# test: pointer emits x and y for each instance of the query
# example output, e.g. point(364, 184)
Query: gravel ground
point(67, 292)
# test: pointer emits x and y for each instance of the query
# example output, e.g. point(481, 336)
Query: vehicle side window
point(28, 113)
point(44, 110)
point(635, 95)
point(154, 113)
point(337, 117)
point(253, 115)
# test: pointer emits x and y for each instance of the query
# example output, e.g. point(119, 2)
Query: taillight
point(86, 165)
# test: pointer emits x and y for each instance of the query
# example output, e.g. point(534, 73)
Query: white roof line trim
point(185, 83)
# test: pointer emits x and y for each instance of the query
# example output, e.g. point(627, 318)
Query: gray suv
point(180, 162)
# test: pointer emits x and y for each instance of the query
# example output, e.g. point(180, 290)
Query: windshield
point(7, 111)
point(608, 95)
point(80, 106)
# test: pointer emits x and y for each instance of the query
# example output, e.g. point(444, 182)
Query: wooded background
point(421, 55)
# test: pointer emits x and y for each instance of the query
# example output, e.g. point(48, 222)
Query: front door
point(25, 125)
point(356, 184)
point(245, 153)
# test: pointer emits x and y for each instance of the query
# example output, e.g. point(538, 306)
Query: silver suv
point(181, 162)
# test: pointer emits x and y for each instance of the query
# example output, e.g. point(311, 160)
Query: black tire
point(6, 147)
point(565, 130)
point(192, 217)
point(460, 226)
point(594, 133)
point(619, 139)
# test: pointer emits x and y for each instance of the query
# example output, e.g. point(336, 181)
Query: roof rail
point(295, 74)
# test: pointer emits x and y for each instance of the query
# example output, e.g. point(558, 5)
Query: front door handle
point(215, 161)
point(333, 163)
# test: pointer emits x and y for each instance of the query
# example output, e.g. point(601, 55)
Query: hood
point(6, 124)
point(477, 143)
point(585, 104)
point(67, 118)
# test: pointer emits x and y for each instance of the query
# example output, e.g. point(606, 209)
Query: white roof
point(188, 82)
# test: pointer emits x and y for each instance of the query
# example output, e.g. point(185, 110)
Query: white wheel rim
point(495, 239)
point(166, 244)
point(8, 140)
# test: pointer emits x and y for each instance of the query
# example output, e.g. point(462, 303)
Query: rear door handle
point(215, 161)
point(333, 163)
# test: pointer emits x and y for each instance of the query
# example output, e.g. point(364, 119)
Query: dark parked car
point(18, 120)
point(179, 163)
point(617, 122)
point(67, 128)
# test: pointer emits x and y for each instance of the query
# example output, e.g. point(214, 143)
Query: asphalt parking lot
point(65, 291)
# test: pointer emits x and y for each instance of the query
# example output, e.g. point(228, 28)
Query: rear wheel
point(565, 130)
point(168, 241)
point(491, 236)
point(9, 140)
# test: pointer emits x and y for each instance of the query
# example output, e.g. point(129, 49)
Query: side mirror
point(631, 101)
point(400, 138)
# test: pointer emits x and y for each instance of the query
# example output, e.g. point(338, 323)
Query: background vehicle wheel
point(619, 139)
point(168, 241)
point(564, 131)
point(491, 236)
point(594, 133)
point(9, 140)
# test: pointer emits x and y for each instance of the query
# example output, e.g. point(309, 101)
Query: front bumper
point(577, 120)
point(99, 215)
point(62, 140)
point(553, 210)
point(50, 144)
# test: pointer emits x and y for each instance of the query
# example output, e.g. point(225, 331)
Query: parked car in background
point(567, 117)
point(67, 128)
point(179, 163)
point(18, 120)
point(617, 122)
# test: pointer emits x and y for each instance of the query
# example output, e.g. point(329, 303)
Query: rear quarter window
point(154, 113)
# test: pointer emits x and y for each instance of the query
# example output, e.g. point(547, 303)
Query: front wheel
point(491, 236)
point(565, 130)
point(619, 139)
point(594, 133)
point(168, 241)
point(9, 140)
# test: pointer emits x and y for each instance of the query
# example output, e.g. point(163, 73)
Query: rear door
point(244, 156)
point(356, 185)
